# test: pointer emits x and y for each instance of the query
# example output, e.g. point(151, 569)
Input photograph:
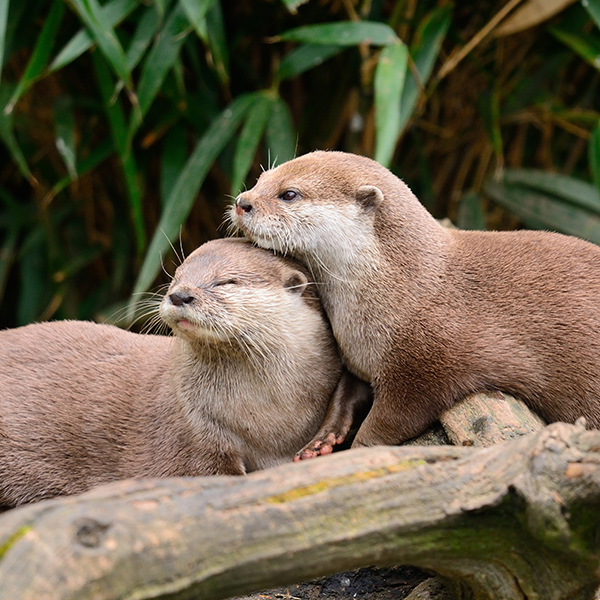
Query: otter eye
point(289, 195)
point(226, 282)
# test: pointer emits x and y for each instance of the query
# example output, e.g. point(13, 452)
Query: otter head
point(320, 208)
point(231, 296)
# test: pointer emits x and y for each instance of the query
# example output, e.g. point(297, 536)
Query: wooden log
point(431, 589)
point(486, 419)
point(480, 420)
point(516, 520)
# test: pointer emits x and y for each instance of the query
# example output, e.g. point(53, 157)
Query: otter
point(429, 314)
point(242, 385)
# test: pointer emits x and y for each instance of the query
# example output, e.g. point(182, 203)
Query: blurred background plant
point(127, 126)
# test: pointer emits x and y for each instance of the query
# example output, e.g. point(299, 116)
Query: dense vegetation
point(129, 124)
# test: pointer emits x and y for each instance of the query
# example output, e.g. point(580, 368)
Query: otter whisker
point(181, 244)
point(323, 268)
point(162, 266)
point(231, 227)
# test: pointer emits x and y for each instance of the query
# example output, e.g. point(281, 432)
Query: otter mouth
point(185, 325)
point(263, 234)
point(196, 331)
point(269, 243)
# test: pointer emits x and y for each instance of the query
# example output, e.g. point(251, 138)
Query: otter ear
point(296, 283)
point(369, 197)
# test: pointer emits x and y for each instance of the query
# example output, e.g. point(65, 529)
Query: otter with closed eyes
point(242, 385)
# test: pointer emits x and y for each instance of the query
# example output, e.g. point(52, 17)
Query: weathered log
point(517, 520)
point(486, 419)
point(431, 589)
point(482, 420)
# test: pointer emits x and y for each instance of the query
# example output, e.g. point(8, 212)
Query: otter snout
point(243, 205)
point(181, 298)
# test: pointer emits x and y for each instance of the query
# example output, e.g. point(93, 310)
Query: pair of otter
point(425, 314)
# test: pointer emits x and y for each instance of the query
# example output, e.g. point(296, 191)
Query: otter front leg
point(225, 462)
point(397, 416)
point(352, 397)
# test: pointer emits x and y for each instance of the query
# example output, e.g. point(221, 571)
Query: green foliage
point(549, 201)
point(125, 124)
point(388, 84)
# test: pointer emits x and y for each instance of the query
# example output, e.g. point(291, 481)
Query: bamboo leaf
point(250, 136)
point(33, 289)
point(95, 157)
point(144, 34)
point(594, 156)
point(161, 7)
point(7, 255)
point(173, 160)
point(489, 105)
point(563, 187)
point(280, 135)
point(389, 82)
point(196, 13)
point(40, 54)
point(471, 213)
point(158, 62)
point(593, 8)
point(14, 220)
point(8, 137)
point(346, 33)
point(3, 21)
point(530, 14)
point(116, 119)
point(424, 52)
point(587, 46)
point(183, 194)
point(306, 57)
point(89, 11)
point(18, 13)
point(545, 212)
point(217, 42)
point(64, 122)
point(114, 12)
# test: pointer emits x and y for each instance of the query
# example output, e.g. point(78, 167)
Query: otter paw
point(319, 447)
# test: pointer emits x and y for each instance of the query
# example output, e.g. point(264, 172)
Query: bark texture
point(486, 419)
point(516, 520)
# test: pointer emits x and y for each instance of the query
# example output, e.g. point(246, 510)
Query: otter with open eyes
point(243, 384)
point(428, 314)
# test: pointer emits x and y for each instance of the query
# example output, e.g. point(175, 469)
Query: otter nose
point(243, 205)
point(181, 298)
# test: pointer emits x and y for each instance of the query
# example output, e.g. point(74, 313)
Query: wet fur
point(82, 403)
point(429, 314)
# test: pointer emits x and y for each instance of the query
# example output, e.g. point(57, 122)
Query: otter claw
point(319, 447)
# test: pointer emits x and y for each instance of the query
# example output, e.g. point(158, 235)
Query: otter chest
point(356, 332)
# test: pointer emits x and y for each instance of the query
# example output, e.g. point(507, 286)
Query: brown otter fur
point(429, 314)
point(243, 385)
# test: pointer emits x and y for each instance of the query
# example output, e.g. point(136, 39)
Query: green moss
point(322, 486)
point(13, 539)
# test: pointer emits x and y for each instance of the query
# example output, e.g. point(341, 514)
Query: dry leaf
point(530, 14)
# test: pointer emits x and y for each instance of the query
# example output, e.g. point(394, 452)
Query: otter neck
point(407, 251)
point(209, 387)
point(403, 244)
